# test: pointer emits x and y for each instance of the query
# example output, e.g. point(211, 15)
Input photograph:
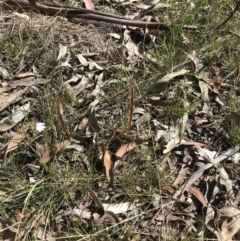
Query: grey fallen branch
point(72, 12)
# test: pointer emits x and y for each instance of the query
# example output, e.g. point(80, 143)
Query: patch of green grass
point(147, 180)
point(12, 48)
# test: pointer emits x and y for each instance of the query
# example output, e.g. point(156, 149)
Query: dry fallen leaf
point(62, 52)
point(192, 143)
point(210, 214)
point(127, 147)
point(79, 88)
point(13, 144)
point(197, 193)
point(107, 162)
point(3, 72)
point(15, 141)
point(222, 173)
point(93, 218)
point(23, 75)
point(131, 50)
point(39, 149)
point(48, 155)
point(229, 212)
point(76, 147)
point(22, 16)
point(160, 85)
point(205, 96)
point(119, 207)
point(82, 126)
point(179, 130)
point(229, 229)
point(181, 176)
point(196, 175)
point(96, 199)
point(27, 81)
point(10, 121)
point(41, 234)
point(8, 98)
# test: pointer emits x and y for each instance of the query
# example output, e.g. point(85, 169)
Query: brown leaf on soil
point(169, 190)
point(10, 121)
point(131, 50)
point(179, 130)
point(107, 162)
point(212, 85)
point(160, 85)
point(26, 81)
point(13, 144)
point(55, 131)
point(15, 141)
point(181, 176)
point(8, 98)
point(94, 218)
point(205, 95)
point(127, 147)
point(96, 199)
point(162, 165)
point(39, 149)
point(83, 124)
point(192, 143)
point(23, 75)
point(229, 212)
point(229, 229)
point(198, 62)
point(198, 195)
point(48, 155)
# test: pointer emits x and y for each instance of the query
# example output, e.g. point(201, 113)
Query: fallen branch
point(72, 12)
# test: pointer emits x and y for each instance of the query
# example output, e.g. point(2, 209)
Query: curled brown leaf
point(127, 147)
point(48, 155)
point(108, 164)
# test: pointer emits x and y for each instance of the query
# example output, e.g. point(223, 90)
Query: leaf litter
point(109, 100)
